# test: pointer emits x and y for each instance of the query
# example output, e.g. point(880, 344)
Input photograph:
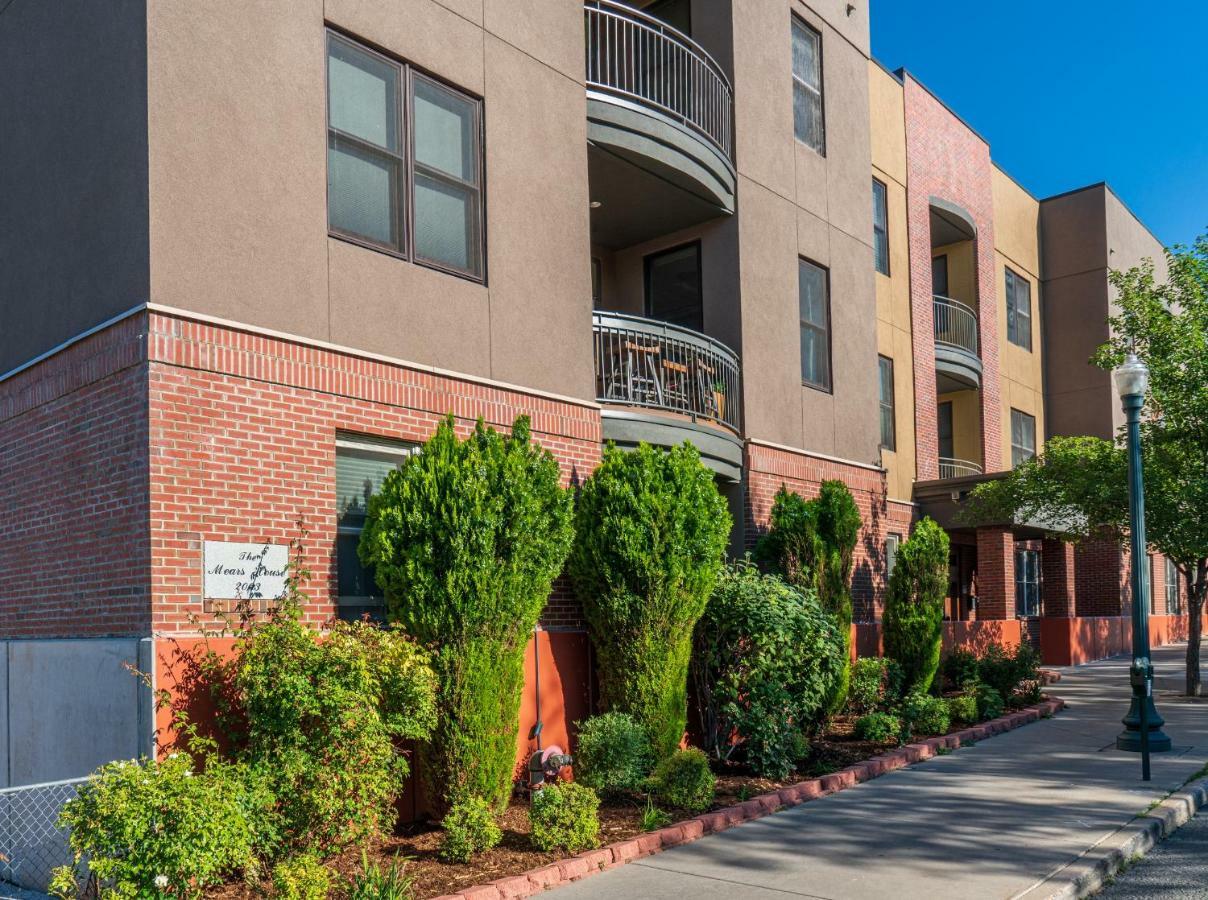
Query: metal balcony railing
point(636, 57)
point(958, 468)
point(955, 324)
point(657, 365)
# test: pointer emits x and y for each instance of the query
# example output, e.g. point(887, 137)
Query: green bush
point(876, 684)
point(963, 708)
point(302, 877)
point(470, 828)
point(766, 661)
point(650, 533)
point(912, 623)
point(323, 722)
point(812, 544)
point(565, 816)
point(1006, 671)
point(466, 538)
point(923, 714)
point(150, 828)
point(373, 882)
point(685, 781)
point(614, 754)
point(989, 701)
point(878, 727)
point(961, 669)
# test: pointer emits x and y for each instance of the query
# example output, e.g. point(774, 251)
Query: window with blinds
point(809, 123)
point(814, 302)
point(362, 464)
point(880, 226)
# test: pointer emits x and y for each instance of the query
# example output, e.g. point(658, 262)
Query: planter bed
point(516, 869)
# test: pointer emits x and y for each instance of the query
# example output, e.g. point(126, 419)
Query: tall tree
point(1081, 482)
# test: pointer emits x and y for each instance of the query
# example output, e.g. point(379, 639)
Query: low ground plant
point(377, 882)
point(876, 684)
point(878, 727)
point(923, 714)
point(565, 816)
point(685, 781)
point(960, 669)
point(989, 701)
point(470, 828)
point(613, 754)
point(963, 708)
point(1007, 670)
point(301, 877)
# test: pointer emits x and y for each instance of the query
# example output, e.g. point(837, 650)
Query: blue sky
point(1072, 93)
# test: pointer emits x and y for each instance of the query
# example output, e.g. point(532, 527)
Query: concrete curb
point(1090, 873)
point(591, 862)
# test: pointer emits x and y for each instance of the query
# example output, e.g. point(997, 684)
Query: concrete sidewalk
point(997, 820)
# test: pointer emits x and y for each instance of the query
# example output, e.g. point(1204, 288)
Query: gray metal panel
point(719, 450)
point(960, 366)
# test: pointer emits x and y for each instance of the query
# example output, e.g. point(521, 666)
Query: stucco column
point(1057, 570)
point(995, 574)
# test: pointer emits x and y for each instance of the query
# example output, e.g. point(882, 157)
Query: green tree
point(466, 539)
point(650, 537)
point(914, 606)
point(1079, 484)
point(812, 544)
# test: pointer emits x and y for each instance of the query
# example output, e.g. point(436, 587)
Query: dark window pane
point(939, 275)
point(362, 94)
point(880, 227)
point(362, 192)
point(673, 288)
point(944, 427)
point(353, 579)
point(888, 440)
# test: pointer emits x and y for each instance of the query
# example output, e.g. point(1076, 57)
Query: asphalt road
point(1176, 869)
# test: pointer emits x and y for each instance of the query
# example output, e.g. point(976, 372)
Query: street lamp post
point(1142, 725)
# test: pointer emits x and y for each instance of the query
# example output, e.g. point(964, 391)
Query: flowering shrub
point(153, 829)
point(565, 816)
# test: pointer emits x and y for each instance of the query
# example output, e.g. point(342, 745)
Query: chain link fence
point(31, 843)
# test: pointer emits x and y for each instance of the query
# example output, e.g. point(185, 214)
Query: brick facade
point(1101, 580)
point(1059, 574)
point(995, 574)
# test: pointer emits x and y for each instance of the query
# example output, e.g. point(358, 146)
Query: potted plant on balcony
point(719, 398)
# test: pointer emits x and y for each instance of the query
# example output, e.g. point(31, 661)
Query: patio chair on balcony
point(634, 375)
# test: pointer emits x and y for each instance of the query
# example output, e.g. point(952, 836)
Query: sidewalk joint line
point(761, 887)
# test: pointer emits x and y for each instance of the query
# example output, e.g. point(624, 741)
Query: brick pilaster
point(1101, 578)
point(995, 574)
point(1058, 571)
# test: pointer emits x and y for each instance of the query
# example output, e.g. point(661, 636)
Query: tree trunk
point(1195, 627)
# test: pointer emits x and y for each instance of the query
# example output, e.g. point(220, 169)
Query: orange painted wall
point(1073, 641)
point(973, 635)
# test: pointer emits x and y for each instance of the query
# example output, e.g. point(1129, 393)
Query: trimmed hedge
point(684, 780)
point(912, 624)
point(565, 816)
point(613, 754)
point(651, 532)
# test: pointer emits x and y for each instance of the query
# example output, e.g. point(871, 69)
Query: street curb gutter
point(620, 853)
point(1092, 872)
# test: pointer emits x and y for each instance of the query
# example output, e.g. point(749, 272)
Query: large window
point(1027, 583)
point(1019, 310)
point(808, 121)
point(1023, 437)
point(404, 161)
point(888, 436)
point(1174, 600)
point(673, 287)
point(362, 464)
point(814, 302)
point(880, 226)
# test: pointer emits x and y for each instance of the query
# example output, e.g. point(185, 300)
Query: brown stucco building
point(253, 252)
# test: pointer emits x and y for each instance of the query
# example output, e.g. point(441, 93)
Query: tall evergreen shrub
point(466, 539)
point(650, 535)
point(914, 606)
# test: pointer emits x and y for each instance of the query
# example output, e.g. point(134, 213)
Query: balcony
point(663, 384)
point(659, 127)
point(957, 361)
point(957, 468)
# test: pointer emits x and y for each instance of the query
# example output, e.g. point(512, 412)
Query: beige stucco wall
point(238, 211)
point(893, 290)
point(1017, 246)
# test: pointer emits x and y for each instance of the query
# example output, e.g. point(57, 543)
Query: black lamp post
point(1142, 726)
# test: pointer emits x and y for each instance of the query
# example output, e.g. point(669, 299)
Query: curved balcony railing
point(638, 58)
point(657, 365)
point(958, 468)
point(955, 324)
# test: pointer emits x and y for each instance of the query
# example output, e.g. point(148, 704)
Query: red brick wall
point(945, 159)
point(769, 468)
point(73, 522)
point(995, 574)
point(243, 432)
point(1101, 578)
point(1058, 571)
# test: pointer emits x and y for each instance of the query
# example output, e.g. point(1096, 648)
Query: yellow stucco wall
point(966, 424)
point(893, 290)
point(1017, 246)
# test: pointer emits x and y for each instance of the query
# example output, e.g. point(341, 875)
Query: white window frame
point(1174, 599)
point(1028, 594)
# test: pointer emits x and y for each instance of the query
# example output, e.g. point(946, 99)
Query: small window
point(1019, 310)
point(939, 275)
point(362, 464)
point(1174, 600)
point(1027, 583)
point(888, 436)
point(404, 167)
point(892, 542)
point(880, 226)
point(1023, 437)
point(814, 304)
point(808, 120)
point(673, 287)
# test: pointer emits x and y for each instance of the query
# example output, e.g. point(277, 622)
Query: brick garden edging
point(591, 862)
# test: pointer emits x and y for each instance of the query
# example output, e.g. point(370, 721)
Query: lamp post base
point(1130, 738)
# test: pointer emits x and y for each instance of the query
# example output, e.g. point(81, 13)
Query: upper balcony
point(659, 124)
point(957, 361)
point(663, 384)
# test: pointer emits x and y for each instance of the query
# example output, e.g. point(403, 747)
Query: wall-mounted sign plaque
point(244, 571)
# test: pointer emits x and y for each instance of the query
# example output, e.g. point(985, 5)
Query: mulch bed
point(619, 820)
